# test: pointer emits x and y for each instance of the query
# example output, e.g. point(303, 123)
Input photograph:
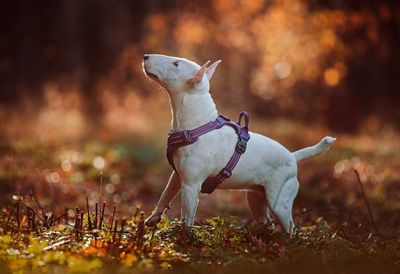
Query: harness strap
point(187, 137)
point(212, 183)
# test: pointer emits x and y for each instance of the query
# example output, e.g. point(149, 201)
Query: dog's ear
point(211, 69)
point(198, 76)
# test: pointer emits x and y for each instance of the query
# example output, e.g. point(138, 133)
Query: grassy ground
point(225, 245)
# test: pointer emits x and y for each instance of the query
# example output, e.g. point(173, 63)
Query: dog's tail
point(321, 147)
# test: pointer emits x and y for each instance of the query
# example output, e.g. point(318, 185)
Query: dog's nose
point(146, 56)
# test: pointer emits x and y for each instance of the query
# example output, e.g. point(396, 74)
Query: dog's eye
point(176, 63)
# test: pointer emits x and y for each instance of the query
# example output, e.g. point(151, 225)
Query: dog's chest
point(209, 154)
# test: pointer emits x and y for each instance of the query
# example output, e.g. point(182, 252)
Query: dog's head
point(178, 75)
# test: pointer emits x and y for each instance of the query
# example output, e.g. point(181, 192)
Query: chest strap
point(188, 137)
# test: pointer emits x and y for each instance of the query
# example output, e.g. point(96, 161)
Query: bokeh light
point(99, 162)
point(331, 77)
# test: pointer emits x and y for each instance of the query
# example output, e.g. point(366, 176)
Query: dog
point(267, 170)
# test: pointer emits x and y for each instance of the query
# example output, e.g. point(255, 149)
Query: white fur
point(267, 169)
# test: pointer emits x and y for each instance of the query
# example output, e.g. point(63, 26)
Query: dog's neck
point(190, 111)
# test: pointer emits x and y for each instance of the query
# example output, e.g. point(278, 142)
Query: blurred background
point(74, 103)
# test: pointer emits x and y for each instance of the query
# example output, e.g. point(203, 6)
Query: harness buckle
point(221, 121)
point(241, 145)
point(226, 173)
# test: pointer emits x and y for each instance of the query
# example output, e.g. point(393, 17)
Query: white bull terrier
point(267, 170)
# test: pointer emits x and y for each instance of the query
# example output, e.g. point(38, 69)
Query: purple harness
point(188, 137)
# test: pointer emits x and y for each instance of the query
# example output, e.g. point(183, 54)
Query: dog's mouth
point(151, 75)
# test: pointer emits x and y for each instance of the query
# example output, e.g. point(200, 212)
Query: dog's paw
point(153, 220)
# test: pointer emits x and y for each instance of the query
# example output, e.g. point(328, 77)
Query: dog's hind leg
point(258, 205)
point(281, 198)
point(169, 193)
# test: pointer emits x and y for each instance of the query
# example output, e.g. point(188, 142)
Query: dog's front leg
point(167, 196)
point(190, 199)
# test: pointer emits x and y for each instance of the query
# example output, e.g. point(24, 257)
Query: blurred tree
point(334, 62)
